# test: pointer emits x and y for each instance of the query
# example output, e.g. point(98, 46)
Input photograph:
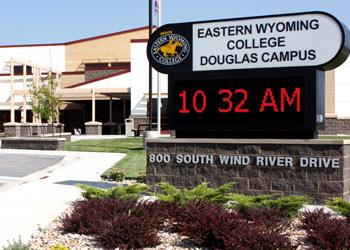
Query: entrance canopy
point(87, 94)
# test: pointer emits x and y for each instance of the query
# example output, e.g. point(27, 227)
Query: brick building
point(104, 79)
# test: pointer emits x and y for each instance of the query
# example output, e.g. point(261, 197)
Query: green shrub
point(202, 192)
point(16, 245)
point(117, 175)
point(133, 191)
point(289, 205)
point(242, 203)
point(90, 192)
point(141, 178)
point(59, 247)
point(124, 192)
point(170, 193)
point(104, 176)
point(114, 175)
point(339, 205)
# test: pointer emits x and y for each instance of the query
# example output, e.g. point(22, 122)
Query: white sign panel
point(310, 39)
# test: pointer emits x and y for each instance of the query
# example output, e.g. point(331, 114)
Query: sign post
point(259, 77)
point(246, 98)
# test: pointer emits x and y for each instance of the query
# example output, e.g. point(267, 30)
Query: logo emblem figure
point(170, 49)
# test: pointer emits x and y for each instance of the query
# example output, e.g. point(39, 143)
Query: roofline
point(73, 73)
point(28, 74)
point(98, 79)
point(78, 41)
point(145, 40)
point(107, 35)
point(32, 45)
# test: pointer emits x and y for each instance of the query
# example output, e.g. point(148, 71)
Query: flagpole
point(150, 68)
point(159, 100)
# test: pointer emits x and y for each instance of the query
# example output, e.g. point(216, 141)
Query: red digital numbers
point(296, 95)
point(184, 109)
point(239, 108)
point(236, 101)
point(199, 101)
point(197, 106)
point(270, 102)
point(228, 98)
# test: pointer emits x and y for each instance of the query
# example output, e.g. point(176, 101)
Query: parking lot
point(20, 165)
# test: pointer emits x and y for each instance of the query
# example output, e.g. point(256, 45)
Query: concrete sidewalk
point(32, 202)
point(96, 137)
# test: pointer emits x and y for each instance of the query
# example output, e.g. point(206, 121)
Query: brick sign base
point(317, 168)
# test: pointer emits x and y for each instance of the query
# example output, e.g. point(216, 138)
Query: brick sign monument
point(246, 98)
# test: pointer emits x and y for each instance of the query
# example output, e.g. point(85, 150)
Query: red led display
point(226, 99)
point(242, 104)
point(228, 96)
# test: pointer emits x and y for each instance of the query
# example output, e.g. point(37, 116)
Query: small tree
point(45, 103)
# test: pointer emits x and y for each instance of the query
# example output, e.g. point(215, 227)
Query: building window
point(18, 70)
point(121, 64)
point(106, 66)
point(92, 66)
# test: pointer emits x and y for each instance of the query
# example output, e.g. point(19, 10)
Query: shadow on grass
point(101, 148)
point(136, 148)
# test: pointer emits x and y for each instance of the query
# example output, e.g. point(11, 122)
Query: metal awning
point(70, 106)
point(86, 94)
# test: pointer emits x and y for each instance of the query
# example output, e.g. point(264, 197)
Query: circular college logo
point(170, 49)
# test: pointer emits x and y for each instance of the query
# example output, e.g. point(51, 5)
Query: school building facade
point(103, 81)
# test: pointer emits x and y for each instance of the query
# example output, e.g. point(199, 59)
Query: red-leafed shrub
point(271, 218)
point(129, 224)
point(255, 236)
point(154, 213)
point(127, 232)
point(326, 232)
point(209, 225)
point(200, 220)
point(115, 222)
point(89, 214)
point(259, 228)
point(310, 219)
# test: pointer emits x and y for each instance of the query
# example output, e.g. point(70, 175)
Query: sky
point(56, 21)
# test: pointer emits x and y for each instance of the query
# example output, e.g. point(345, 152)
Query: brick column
point(93, 128)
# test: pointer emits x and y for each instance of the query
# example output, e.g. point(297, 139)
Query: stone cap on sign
point(32, 124)
point(32, 139)
point(10, 124)
point(251, 141)
point(93, 123)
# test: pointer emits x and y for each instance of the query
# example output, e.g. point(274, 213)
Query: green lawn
point(336, 137)
point(133, 163)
